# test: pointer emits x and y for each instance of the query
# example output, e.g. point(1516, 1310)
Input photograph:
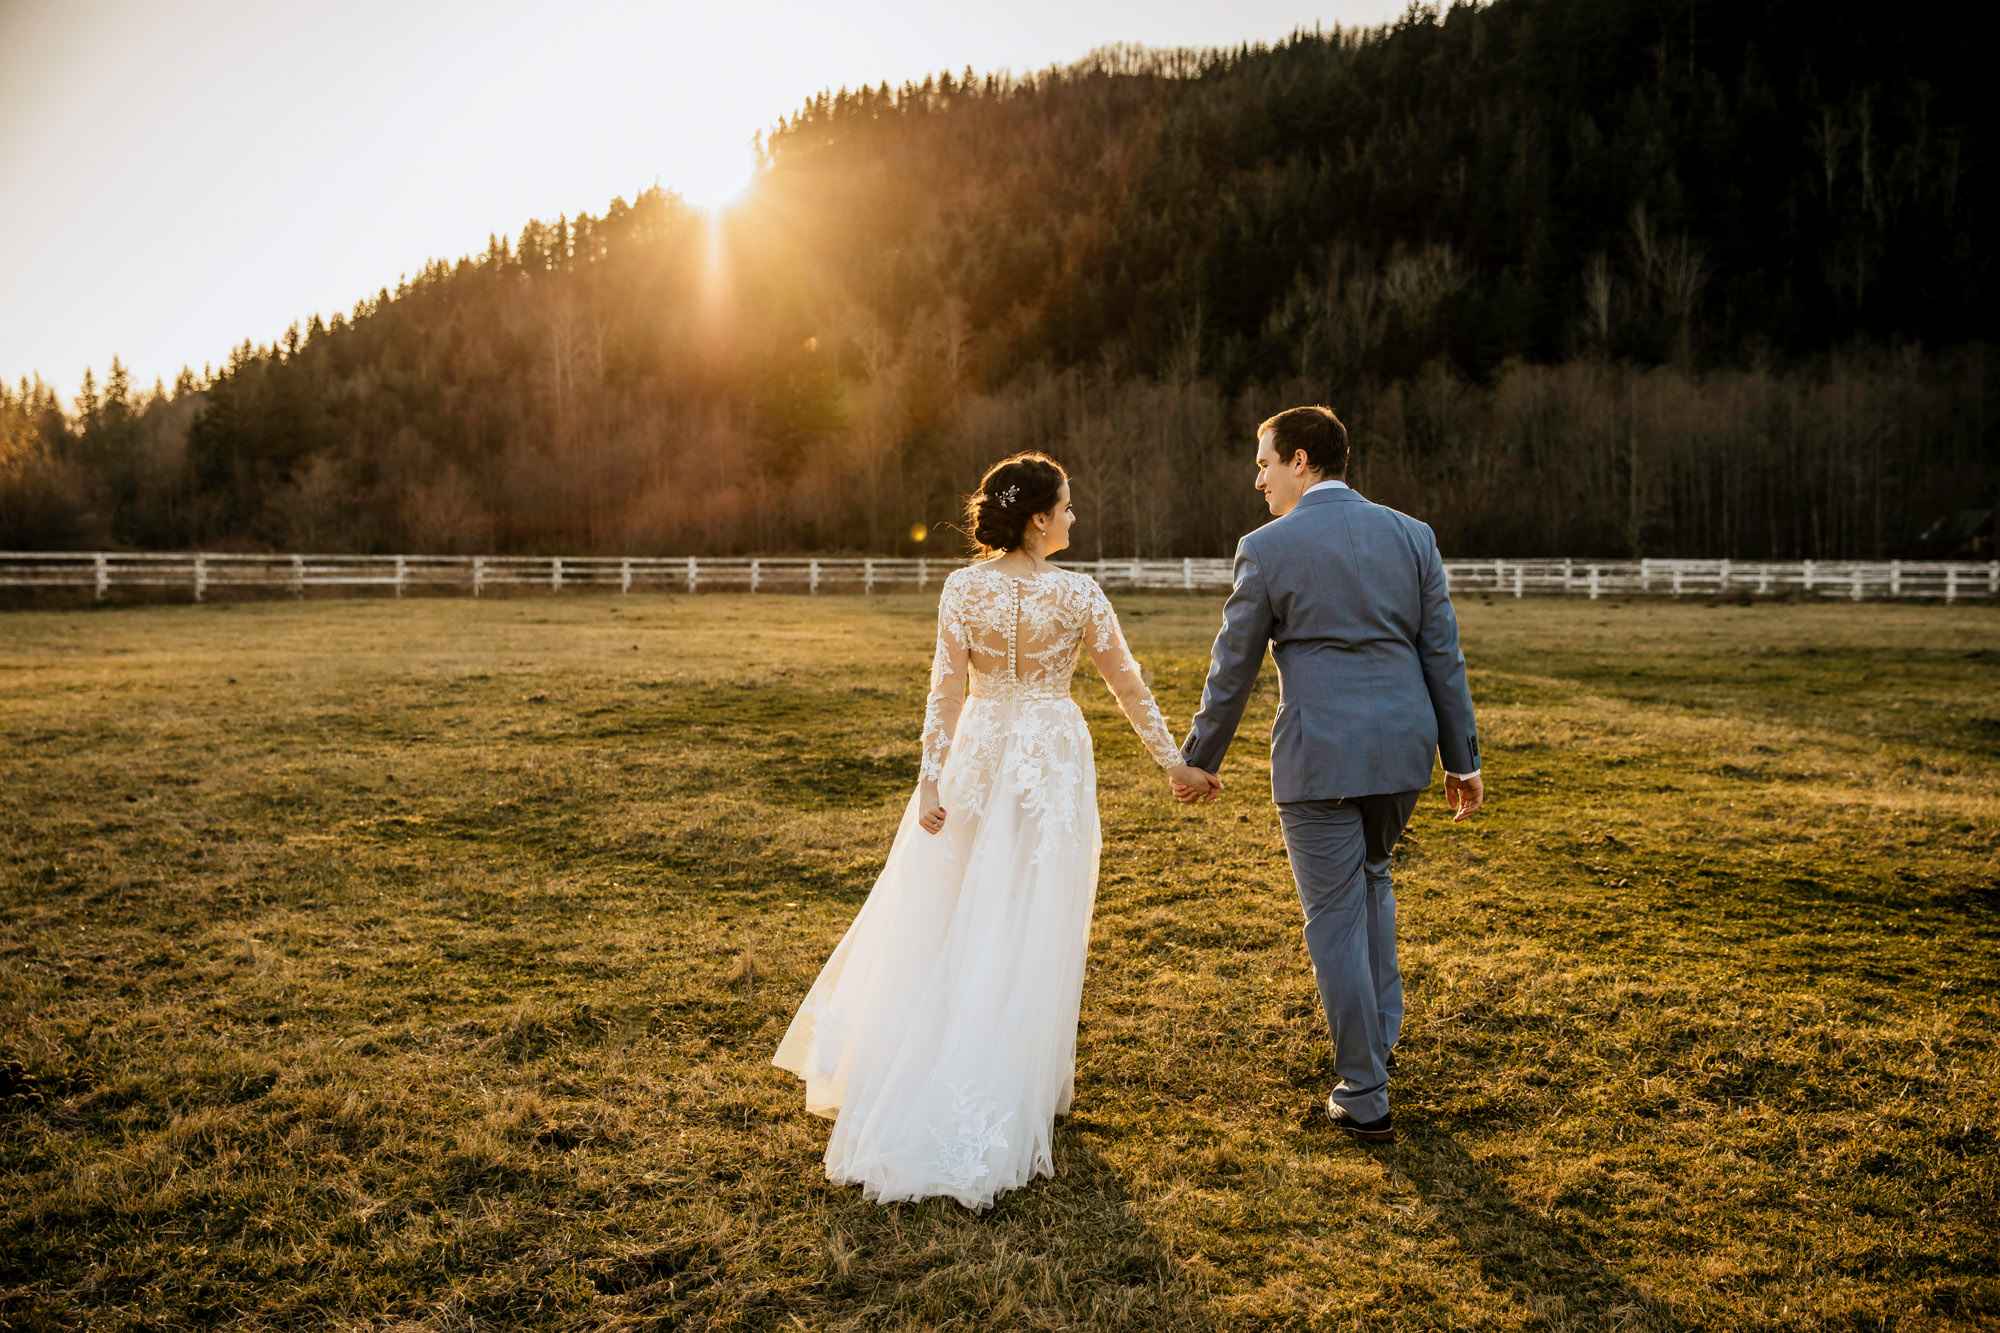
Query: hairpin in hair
point(1007, 496)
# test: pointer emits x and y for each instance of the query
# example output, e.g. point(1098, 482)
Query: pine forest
point(1583, 277)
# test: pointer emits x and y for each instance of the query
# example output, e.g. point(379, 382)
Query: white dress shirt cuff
point(1464, 777)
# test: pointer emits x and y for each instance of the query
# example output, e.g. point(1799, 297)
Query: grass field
point(417, 964)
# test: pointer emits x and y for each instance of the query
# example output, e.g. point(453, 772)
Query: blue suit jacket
point(1351, 599)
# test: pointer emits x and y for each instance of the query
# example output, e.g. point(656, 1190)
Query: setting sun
point(527, 118)
point(717, 182)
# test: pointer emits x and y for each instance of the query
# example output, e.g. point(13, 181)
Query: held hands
point(1463, 795)
point(1191, 785)
point(930, 811)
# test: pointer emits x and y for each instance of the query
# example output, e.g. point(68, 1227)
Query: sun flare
point(716, 187)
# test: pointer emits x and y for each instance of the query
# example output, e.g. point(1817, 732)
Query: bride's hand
point(930, 811)
point(1192, 784)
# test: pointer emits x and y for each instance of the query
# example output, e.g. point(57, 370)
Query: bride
point(940, 1037)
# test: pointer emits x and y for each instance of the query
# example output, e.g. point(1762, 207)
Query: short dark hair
point(1013, 491)
point(1314, 429)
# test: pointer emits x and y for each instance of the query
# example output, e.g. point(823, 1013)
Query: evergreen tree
point(1655, 256)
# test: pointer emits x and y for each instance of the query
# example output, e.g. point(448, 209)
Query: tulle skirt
point(940, 1037)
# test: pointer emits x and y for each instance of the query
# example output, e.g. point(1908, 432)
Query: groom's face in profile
point(1283, 480)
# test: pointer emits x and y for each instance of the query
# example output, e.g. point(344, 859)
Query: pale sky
point(179, 175)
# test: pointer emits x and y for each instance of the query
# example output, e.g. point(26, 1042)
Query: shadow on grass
point(1066, 1252)
point(1549, 1268)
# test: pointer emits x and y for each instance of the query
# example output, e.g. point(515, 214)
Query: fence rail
point(201, 572)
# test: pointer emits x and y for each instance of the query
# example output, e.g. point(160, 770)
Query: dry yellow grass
point(372, 964)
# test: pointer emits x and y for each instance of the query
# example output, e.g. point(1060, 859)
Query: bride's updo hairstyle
point(1013, 491)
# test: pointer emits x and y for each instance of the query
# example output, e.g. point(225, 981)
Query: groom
point(1350, 598)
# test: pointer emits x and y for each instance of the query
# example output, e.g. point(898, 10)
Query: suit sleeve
point(1444, 666)
point(1247, 621)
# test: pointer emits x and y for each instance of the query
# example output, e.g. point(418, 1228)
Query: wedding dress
point(940, 1037)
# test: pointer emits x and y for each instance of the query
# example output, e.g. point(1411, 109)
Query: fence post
point(1569, 573)
point(1951, 583)
point(478, 575)
point(1187, 573)
point(555, 574)
point(1645, 574)
point(1722, 578)
point(1520, 580)
point(625, 575)
point(693, 574)
point(1895, 578)
point(1857, 583)
point(1993, 579)
point(200, 576)
point(1593, 583)
point(812, 577)
point(868, 576)
point(923, 572)
point(1809, 575)
point(1499, 575)
point(399, 575)
point(103, 575)
point(298, 576)
point(756, 573)
point(1677, 578)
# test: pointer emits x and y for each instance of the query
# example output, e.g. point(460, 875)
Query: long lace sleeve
point(947, 692)
point(1114, 661)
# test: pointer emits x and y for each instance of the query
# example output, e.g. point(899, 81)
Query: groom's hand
point(1191, 784)
point(1463, 795)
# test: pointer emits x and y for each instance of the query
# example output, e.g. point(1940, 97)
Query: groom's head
point(1297, 449)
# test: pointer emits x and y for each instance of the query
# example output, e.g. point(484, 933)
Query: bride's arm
point(942, 705)
point(1114, 661)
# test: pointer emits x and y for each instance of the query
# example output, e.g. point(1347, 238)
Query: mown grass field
point(417, 964)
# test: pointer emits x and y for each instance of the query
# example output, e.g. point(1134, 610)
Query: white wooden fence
point(199, 572)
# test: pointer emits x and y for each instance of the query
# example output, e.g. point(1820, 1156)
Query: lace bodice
point(1008, 637)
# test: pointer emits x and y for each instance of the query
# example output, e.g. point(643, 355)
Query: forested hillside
point(1583, 276)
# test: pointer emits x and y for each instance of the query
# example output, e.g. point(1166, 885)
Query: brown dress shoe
point(1368, 1131)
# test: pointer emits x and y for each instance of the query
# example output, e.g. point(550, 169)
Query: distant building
point(1964, 535)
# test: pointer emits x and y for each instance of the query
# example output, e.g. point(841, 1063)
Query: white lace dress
point(940, 1037)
